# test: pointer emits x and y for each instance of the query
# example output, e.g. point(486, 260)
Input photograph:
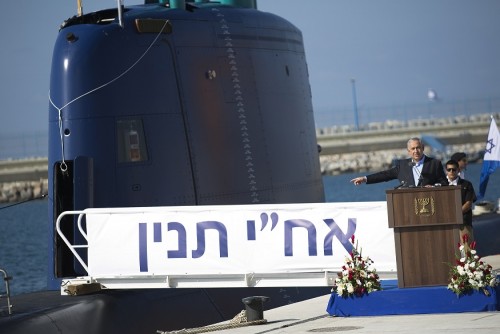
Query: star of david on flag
point(491, 160)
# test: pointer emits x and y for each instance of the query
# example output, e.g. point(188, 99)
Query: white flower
point(340, 292)
point(357, 268)
point(471, 274)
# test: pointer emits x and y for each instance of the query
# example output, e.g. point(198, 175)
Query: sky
point(396, 50)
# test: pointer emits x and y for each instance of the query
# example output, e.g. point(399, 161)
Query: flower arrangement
point(356, 277)
point(470, 273)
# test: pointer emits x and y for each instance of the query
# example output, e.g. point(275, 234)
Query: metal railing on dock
point(6, 279)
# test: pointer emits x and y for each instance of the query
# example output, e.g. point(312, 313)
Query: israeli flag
point(491, 159)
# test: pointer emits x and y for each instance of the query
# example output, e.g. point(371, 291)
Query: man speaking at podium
point(418, 170)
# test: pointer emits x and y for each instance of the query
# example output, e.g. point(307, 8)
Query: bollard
point(254, 307)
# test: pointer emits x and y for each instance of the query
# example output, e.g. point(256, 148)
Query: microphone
point(402, 185)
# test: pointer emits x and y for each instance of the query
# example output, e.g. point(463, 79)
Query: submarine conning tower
point(177, 103)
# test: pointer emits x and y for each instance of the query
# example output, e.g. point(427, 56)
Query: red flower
point(459, 274)
point(351, 275)
point(465, 238)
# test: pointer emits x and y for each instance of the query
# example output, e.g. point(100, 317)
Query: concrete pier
point(376, 145)
point(22, 180)
point(392, 135)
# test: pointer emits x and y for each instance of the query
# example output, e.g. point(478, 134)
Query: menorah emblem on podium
point(423, 202)
point(422, 206)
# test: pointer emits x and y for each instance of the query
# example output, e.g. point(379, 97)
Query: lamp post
point(355, 104)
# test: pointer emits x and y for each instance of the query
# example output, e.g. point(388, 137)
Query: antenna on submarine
point(120, 12)
point(79, 9)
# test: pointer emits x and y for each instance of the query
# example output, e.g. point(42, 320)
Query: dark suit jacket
point(432, 173)
point(468, 194)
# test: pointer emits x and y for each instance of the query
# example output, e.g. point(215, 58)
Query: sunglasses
point(451, 169)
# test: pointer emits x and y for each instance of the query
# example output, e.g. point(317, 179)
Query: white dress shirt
point(454, 182)
point(417, 170)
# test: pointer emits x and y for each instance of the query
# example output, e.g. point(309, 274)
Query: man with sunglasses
point(468, 197)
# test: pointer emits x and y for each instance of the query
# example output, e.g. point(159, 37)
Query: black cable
point(25, 201)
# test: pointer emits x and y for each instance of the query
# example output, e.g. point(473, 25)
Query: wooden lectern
point(426, 232)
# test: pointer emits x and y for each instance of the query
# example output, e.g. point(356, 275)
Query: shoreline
point(343, 150)
point(30, 181)
point(19, 191)
point(23, 179)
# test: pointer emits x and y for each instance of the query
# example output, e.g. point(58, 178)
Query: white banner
point(208, 240)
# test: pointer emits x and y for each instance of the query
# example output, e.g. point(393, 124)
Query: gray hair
point(414, 139)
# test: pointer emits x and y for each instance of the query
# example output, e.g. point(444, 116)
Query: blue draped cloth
point(393, 301)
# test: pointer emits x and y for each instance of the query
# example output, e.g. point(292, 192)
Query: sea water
point(24, 227)
point(23, 246)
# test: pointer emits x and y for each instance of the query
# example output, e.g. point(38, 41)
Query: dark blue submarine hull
point(206, 104)
point(136, 311)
